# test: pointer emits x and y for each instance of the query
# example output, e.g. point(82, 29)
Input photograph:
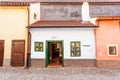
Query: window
point(112, 50)
point(75, 48)
point(39, 46)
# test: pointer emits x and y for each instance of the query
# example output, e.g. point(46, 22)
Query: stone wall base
point(74, 63)
point(108, 64)
point(79, 62)
point(67, 63)
point(6, 63)
point(38, 63)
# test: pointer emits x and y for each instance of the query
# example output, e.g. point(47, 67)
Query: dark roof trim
point(104, 3)
point(61, 24)
point(80, 3)
point(52, 2)
point(108, 17)
point(63, 27)
point(9, 3)
point(63, 0)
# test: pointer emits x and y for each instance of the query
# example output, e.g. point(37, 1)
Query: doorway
point(17, 53)
point(1, 52)
point(54, 54)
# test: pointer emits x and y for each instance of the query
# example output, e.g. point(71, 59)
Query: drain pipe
point(28, 60)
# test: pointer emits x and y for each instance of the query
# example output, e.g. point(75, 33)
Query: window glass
point(112, 50)
point(75, 48)
point(38, 46)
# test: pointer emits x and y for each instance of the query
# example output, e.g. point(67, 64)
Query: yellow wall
point(13, 22)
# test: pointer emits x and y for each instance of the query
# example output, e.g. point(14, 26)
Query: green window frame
point(75, 48)
point(38, 46)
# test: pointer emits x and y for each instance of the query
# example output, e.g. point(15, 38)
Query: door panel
point(50, 57)
point(54, 53)
point(18, 52)
point(1, 52)
point(47, 55)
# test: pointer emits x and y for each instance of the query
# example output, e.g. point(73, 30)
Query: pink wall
point(107, 33)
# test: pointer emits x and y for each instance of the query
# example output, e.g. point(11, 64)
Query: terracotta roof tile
point(27, 2)
point(9, 3)
point(62, 0)
point(61, 24)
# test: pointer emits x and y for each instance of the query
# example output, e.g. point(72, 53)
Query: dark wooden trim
point(3, 51)
point(3, 40)
point(5, 3)
point(29, 42)
point(79, 3)
point(104, 3)
point(119, 26)
point(9, 3)
point(28, 60)
point(106, 19)
point(61, 3)
point(63, 27)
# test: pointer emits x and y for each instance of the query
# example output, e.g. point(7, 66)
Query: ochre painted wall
point(107, 33)
point(13, 23)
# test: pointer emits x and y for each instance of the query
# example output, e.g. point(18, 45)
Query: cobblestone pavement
point(65, 73)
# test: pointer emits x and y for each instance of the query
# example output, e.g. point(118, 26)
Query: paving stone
point(64, 73)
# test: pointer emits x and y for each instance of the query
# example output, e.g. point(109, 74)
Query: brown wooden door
point(1, 52)
point(18, 52)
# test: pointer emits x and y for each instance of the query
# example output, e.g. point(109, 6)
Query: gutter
point(28, 60)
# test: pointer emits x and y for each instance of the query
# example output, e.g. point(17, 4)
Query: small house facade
point(62, 42)
point(13, 33)
point(108, 42)
point(44, 33)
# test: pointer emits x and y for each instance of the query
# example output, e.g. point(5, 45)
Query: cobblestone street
point(65, 73)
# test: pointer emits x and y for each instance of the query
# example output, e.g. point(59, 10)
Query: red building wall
point(107, 33)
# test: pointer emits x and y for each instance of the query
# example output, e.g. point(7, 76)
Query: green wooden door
point(48, 51)
point(47, 54)
point(62, 54)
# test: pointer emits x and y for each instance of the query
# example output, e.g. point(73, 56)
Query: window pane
point(75, 48)
point(112, 50)
point(77, 53)
point(77, 44)
point(73, 44)
point(38, 46)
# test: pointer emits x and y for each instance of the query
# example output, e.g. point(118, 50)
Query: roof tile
point(10, 3)
point(62, 0)
point(61, 24)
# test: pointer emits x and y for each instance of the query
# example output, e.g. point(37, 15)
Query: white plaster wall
point(86, 36)
point(34, 9)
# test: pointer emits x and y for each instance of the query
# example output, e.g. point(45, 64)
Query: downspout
point(97, 23)
point(119, 25)
point(28, 60)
